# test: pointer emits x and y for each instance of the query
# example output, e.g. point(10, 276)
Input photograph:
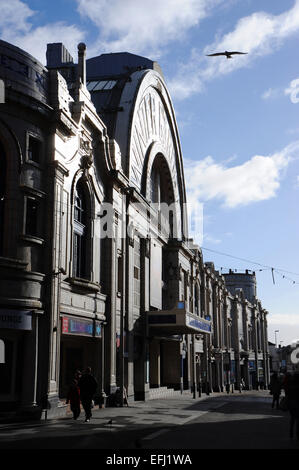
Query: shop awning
point(177, 321)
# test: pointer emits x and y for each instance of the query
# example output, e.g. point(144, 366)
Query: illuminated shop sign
point(75, 326)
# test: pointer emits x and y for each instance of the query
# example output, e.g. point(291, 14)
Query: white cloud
point(293, 91)
point(14, 14)
point(211, 239)
point(256, 180)
point(258, 34)
point(15, 27)
point(141, 26)
point(270, 93)
point(288, 326)
point(285, 319)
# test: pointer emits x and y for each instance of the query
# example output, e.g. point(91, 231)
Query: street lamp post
point(276, 331)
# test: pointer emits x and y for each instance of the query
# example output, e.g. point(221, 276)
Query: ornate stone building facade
point(96, 266)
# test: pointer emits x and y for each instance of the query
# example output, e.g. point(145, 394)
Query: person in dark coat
point(73, 397)
point(88, 386)
point(292, 395)
point(275, 389)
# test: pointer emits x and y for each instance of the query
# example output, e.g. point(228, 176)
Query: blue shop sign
point(200, 325)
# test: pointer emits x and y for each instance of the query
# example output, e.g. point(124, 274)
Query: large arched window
point(81, 233)
point(2, 194)
point(162, 195)
point(161, 184)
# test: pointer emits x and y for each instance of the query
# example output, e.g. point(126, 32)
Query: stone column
point(194, 378)
point(155, 363)
point(255, 346)
point(53, 305)
point(30, 365)
point(246, 369)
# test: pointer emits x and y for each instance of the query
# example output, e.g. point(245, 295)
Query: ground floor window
point(11, 370)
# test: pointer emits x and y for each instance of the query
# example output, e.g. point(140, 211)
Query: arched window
point(161, 184)
point(162, 195)
point(2, 194)
point(155, 185)
point(81, 233)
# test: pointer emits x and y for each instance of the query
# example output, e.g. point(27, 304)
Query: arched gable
point(147, 127)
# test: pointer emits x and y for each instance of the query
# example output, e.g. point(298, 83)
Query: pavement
point(146, 424)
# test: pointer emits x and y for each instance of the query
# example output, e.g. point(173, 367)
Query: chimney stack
point(82, 63)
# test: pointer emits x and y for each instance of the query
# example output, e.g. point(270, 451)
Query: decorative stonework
point(151, 134)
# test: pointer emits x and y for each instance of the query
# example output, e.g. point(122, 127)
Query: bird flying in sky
point(227, 54)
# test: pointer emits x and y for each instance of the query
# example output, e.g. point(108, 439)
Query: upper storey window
point(160, 184)
point(80, 233)
point(34, 149)
point(155, 185)
point(99, 85)
point(162, 195)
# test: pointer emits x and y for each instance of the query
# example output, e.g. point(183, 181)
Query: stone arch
point(11, 145)
point(82, 229)
point(12, 160)
point(157, 152)
point(146, 127)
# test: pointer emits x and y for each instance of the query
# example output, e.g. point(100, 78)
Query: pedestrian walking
point(292, 395)
point(275, 389)
point(78, 375)
point(73, 397)
point(88, 386)
point(242, 385)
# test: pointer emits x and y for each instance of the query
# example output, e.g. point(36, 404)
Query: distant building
point(284, 358)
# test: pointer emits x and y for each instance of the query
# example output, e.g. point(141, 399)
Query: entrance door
point(72, 359)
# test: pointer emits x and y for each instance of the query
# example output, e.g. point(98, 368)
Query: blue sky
point(238, 119)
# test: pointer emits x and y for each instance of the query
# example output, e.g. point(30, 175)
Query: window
point(162, 196)
point(96, 85)
point(31, 227)
point(258, 333)
point(119, 274)
point(80, 234)
point(197, 299)
point(230, 340)
point(34, 149)
point(2, 194)
point(137, 272)
point(155, 186)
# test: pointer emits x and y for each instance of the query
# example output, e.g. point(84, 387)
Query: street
point(236, 421)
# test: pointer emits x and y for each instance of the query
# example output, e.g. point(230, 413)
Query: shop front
point(252, 374)
point(81, 347)
point(18, 340)
point(172, 359)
